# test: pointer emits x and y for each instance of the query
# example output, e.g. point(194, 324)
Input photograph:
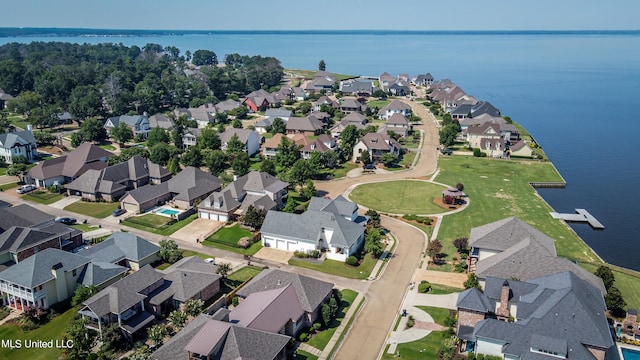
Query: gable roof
point(268, 310)
point(130, 120)
point(227, 105)
point(97, 273)
point(121, 245)
point(308, 123)
point(18, 238)
point(10, 139)
point(397, 119)
point(278, 112)
point(161, 121)
point(485, 107)
point(81, 159)
point(503, 234)
point(22, 215)
point(37, 269)
point(311, 292)
point(192, 183)
point(395, 105)
point(377, 141)
point(187, 278)
point(222, 341)
point(473, 299)
point(481, 119)
point(562, 313)
point(339, 206)
point(235, 195)
point(243, 135)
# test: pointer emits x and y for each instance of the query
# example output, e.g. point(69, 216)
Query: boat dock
point(581, 216)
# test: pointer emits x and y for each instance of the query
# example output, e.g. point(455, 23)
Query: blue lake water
point(576, 93)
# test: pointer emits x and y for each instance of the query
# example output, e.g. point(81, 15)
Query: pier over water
point(581, 216)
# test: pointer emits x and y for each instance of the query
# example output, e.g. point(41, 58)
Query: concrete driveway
point(62, 203)
point(197, 229)
point(279, 256)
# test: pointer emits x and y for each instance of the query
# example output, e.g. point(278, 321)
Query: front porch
point(19, 298)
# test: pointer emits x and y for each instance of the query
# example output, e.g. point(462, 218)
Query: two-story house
point(139, 124)
point(394, 107)
point(376, 144)
point(18, 143)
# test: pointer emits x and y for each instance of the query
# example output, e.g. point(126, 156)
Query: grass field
point(626, 281)
point(437, 289)
point(227, 239)
point(339, 268)
point(247, 272)
point(53, 330)
point(93, 209)
point(378, 103)
point(158, 224)
point(438, 314)
point(399, 197)
point(342, 170)
point(84, 227)
point(42, 197)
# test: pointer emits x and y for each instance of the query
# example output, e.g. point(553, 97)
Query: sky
point(325, 14)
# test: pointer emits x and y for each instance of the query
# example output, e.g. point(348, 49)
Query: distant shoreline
point(85, 32)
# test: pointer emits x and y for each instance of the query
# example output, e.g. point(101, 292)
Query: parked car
point(66, 220)
point(118, 212)
point(211, 261)
point(25, 188)
point(370, 166)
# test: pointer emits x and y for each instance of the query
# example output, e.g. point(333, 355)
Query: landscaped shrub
point(352, 260)
point(316, 326)
point(303, 337)
point(235, 301)
point(424, 286)
point(424, 220)
point(460, 267)
point(411, 321)
point(449, 321)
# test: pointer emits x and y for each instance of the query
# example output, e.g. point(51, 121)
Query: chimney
point(503, 309)
point(30, 127)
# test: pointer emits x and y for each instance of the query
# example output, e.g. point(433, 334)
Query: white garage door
point(130, 207)
point(292, 245)
point(281, 244)
point(204, 215)
point(222, 218)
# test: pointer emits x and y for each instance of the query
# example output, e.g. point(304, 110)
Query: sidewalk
point(333, 342)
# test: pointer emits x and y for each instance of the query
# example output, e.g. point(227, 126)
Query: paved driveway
point(279, 256)
point(197, 229)
point(62, 203)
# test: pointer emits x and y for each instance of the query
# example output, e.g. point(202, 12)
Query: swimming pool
point(167, 211)
point(630, 354)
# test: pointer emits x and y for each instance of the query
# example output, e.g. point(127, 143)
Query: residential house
point(249, 138)
point(311, 292)
point(260, 190)
point(182, 191)
point(263, 126)
point(284, 94)
point(394, 107)
point(323, 100)
point(494, 148)
point(139, 124)
point(423, 80)
point(511, 248)
point(269, 148)
point(322, 80)
point(18, 143)
point(462, 111)
point(276, 311)
point(349, 105)
point(161, 121)
point(49, 277)
point(449, 95)
point(520, 149)
point(357, 87)
point(124, 249)
point(227, 105)
point(555, 316)
point(322, 228)
point(385, 79)
point(4, 99)
point(207, 338)
point(66, 168)
point(65, 117)
point(23, 215)
point(134, 301)
point(259, 100)
point(323, 144)
point(398, 124)
point(376, 144)
point(203, 115)
point(475, 134)
point(485, 107)
point(308, 126)
point(17, 243)
point(190, 137)
point(400, 88)
point(480, 120)
point(404, 77)
point(356, 119)
point(113, 181)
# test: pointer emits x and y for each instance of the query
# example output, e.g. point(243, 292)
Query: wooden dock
point(581, 216)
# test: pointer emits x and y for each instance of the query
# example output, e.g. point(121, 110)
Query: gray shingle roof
point(339, 206)
point(503, 234)
point(120, 246)
point(566, 310)
point(97, 273)
point(308, 123)
point(235, 194)
point(268, 310)
point(311, 292)
point(9, 140)
point(36, 269)
point(474, 299)
point(18, 238)
point(84, 157)
point(22, 215)
point(161, 121)
point(188, 277)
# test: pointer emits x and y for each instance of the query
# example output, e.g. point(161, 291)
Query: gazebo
point(452, 196)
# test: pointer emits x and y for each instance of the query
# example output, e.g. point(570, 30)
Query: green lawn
point(157, 224)
point(107, 147)
point(498, 189)
point(399, 197)
point(3, 171)
point(407, 158)
point(425, 348)
point(8, 186)
point(229, 235)
point(438, 314)
point(42, 197)
point(53, 330)
point(243, 274)
point(437, 289)
point(338, 268)
point(626, 281)
point(84, 227)
point(378, 103)
point(98, 210)
point(320, 340)
point(303, 355)
point(343, 169)
point(227, 239)
point(187, 253)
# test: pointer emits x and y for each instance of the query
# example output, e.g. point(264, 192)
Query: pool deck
point(581, 216)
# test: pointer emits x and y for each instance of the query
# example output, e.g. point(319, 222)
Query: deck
point(581, 216)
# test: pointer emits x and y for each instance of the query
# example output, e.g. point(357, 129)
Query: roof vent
point(279, 283)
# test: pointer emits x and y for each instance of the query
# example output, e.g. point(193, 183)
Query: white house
point(249, 138)
point(394, 107)
point(331, 226)
point(18, 143)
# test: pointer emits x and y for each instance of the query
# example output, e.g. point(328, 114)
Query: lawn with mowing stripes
point(399, 197)
point(158, 224)
point(42, 197)
point(98, 210)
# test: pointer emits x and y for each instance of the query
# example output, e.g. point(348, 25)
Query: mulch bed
point(438, 201)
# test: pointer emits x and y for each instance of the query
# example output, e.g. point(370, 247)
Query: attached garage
point(213, 216)
point(130, 207)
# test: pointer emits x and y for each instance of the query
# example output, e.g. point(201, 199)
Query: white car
point(25, 189)
point(211, 261)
